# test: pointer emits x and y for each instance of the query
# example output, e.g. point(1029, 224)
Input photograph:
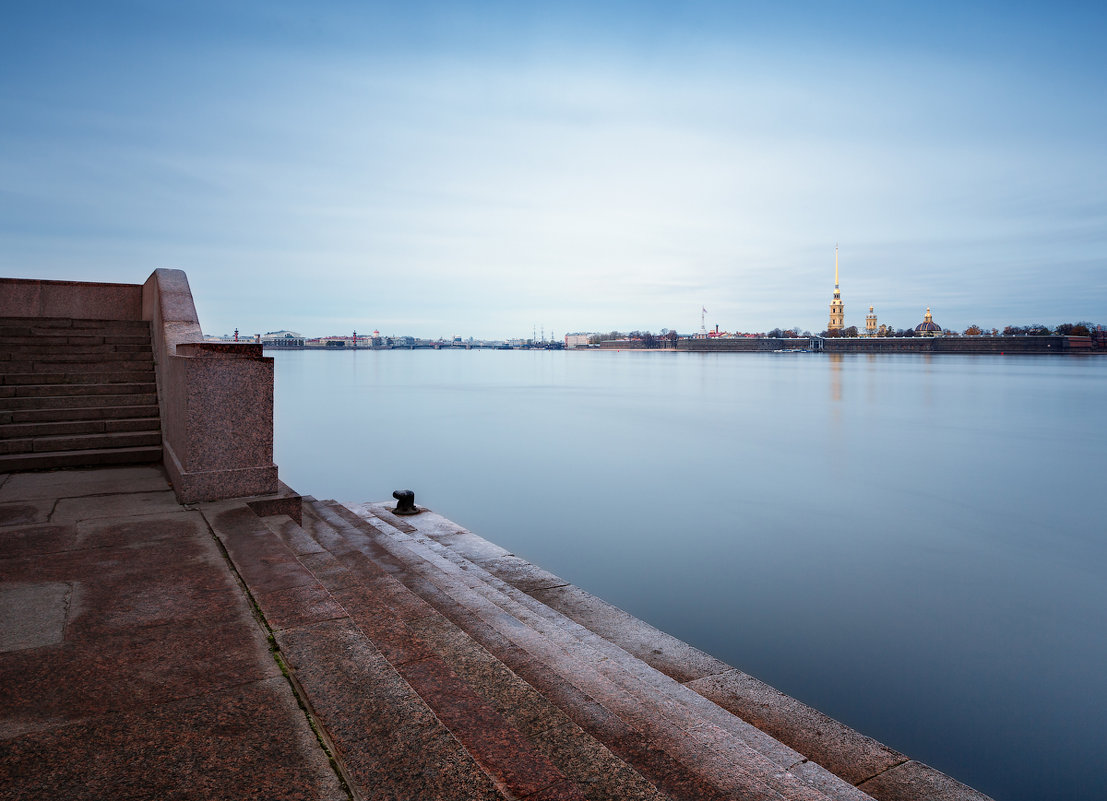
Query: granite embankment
point(999, 345)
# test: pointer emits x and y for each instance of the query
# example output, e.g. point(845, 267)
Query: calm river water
point(914, 545)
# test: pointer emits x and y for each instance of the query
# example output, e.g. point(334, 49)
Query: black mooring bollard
point(405, 503)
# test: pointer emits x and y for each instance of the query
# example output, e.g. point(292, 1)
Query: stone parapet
point(216, 400)
point(23, 297)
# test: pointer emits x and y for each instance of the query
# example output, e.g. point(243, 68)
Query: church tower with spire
point(837, 309)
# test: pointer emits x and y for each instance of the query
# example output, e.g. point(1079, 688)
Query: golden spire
point(837, 310)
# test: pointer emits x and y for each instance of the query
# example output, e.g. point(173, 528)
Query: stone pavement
point(131, 662)
point(150, 650)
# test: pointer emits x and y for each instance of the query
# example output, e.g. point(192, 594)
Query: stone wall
point(21, 297)
point(744, 345)
point(216, 400)
point(946, 345)
point(717, 344)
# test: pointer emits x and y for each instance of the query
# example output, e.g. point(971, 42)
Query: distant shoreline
point(1045, 345)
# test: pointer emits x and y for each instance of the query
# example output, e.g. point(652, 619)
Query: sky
point(488, 169)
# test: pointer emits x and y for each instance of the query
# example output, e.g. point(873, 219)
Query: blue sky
point(482, 169)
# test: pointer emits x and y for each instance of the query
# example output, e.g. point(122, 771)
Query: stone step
point(62, 326)
point(55, 415)
point(680, 778)
point(873, 767)
point(76, 393)
point(60, 390)
point(500, 719)
point(74, 368)
point(84, 458)
point(74, 427)
point(845, 752)
point(385, 739)
point(101, 377)
point(79, 442)
point(39, 346)
point(648, 709)
point(61, 356)
point(97, 341)
point(76, 401)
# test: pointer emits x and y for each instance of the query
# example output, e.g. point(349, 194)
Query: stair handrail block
point(216, 400)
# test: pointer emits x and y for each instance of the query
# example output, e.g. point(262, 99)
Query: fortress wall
point(947, 345)
point(742, 345)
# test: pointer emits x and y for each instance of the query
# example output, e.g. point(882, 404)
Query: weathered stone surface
point(501, 749)
point(294, 607)
point(115, 505)
point(25, 512)
point(236, 743)
point(81, 458)
point(818, 777)
point(78, 483)
point(32, 615)
point(298, 540)
point(131, 662)
point(22, 540)
point(70, 300)
point(384, 512)
point(673, 657)
point(391, 744)
point(521, 574)
point(914, 781)
point(263, 560)
point(844, 751)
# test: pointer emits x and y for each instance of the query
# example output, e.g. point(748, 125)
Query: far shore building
point(928, 328)
point(577, 340)
point(870, 323)
point(283, 339)
point(837, 308)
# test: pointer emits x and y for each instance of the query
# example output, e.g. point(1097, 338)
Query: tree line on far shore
point(648, 338)
point(1081, 329)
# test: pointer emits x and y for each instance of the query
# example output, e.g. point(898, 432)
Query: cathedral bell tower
point(837, 309)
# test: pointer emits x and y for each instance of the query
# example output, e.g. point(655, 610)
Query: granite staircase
point(76, 393)
point(431, 676)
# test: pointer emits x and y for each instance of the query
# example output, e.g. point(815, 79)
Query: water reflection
point(835, 366)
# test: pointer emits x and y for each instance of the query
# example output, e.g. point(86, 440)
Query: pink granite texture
point(20, 297)
point(216, 400)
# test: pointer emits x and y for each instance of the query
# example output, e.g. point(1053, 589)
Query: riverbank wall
point(1052, 345)
point(1000, 345)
